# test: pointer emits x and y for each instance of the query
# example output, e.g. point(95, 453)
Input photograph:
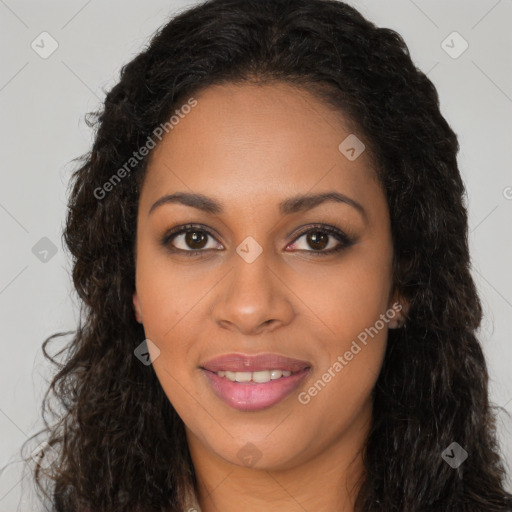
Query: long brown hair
point(121, 445)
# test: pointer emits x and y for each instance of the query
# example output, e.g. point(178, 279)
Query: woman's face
point(266, 277)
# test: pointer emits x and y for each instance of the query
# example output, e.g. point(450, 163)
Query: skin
point(250, 147)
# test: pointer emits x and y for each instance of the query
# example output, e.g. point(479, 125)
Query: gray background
point(43, 103)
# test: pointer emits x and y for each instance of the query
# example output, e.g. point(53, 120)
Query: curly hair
point(433, 386)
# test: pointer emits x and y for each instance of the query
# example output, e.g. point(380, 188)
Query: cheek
point(342, 390)
point(351, 352)
point(349, 301)
point(168, 300)
point(349, 296)
point(167, 293)
point(352, 349)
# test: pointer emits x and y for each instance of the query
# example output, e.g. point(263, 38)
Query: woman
point(269, 237)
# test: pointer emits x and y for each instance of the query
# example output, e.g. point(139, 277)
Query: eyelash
point(345, 240)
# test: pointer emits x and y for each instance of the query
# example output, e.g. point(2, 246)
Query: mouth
point(259, 377)
point(251, 383)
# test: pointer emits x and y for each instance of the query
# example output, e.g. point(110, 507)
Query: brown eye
point(317, 240)
point(190, 240)
point(196, 239)
point(321, 240)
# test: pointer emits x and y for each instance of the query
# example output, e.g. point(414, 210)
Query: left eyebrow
point(287, 207)
point(307, 202)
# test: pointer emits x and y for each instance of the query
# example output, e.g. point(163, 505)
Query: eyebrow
point(291, 205)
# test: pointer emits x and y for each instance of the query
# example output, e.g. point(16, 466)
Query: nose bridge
point(252, 276)
point(252, 295)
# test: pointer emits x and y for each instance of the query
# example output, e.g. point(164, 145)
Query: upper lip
point(253, 363)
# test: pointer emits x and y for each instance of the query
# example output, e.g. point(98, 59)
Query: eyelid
point(171, 234)
point(328, 228)
point(344, 239)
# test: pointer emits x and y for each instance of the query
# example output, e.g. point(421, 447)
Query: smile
point(254, 391)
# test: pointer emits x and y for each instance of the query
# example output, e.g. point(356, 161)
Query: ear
point(138, 314)
point(398, 308)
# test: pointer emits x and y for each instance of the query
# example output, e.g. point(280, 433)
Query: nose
point(252, 298)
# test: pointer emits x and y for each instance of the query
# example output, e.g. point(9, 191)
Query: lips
point(251, 396)
point(254, 363)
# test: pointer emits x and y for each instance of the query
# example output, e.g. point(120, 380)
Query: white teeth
point(243, 376)
point(260, 377)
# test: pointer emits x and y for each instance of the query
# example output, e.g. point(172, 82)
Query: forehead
point(251, 141)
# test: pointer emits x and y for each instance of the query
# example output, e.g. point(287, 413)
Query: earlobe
point(136, 306)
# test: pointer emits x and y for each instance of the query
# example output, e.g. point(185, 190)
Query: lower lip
point(251, 396)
